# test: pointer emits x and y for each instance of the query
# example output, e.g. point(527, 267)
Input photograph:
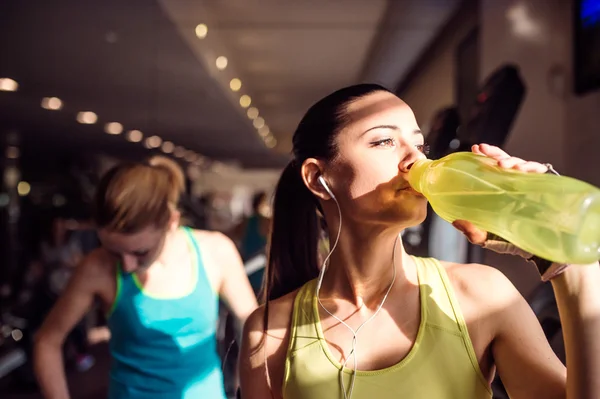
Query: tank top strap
point(303, 329)
point(201, 275)
point(442, 307)
point(125, 287)
point(303, 324)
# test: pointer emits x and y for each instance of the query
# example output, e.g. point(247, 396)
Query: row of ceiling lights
point(245, 100)
point(113, 128)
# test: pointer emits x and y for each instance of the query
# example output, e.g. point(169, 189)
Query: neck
point(174, 248)
point(360, 268)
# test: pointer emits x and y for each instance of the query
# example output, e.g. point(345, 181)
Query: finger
point(473, 234)
point(510, 163)
point(531, 167)
point(475, 149)
point(493, 152)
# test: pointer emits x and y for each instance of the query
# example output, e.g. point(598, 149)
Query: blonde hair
point(132, 196)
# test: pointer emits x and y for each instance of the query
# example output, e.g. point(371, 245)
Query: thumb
point(474, 234)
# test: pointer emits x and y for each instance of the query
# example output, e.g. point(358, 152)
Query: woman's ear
point(310, 171)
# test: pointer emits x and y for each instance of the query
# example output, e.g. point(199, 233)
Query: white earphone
point(326, 187)
point(348, 395)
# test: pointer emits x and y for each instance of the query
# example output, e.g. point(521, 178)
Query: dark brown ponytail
point(294, 236)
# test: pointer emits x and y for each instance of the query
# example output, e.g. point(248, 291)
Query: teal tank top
point(165, 348)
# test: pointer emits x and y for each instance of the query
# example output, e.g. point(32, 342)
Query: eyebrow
point(391, 127)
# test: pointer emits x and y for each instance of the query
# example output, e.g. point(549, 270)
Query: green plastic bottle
point(554, 217)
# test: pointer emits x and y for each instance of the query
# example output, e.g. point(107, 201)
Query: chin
point(406, 214)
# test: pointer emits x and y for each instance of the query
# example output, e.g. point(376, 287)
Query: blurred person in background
point(252, 232)
point(159, 284)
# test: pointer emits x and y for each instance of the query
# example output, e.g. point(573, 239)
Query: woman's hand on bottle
point(506, 161)
point(478, 236)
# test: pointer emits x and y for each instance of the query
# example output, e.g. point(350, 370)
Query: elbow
point(42, 341)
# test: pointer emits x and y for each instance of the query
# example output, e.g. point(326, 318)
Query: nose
point(130, 263)
point(410, 157)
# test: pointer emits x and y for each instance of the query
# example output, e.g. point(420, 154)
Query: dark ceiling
point(125, 61)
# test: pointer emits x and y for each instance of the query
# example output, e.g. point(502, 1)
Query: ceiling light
point(113, 128)
point(23, 188)
point(190, 156)
point(12, 152)
point(200, 161)
point(245, 101)
point(235, 84)
point(87, 117)
point(264, 131)
point(270, 141)
point(7, 84)
point(201, 31)
point(179, 151)
point(258, 122)
point(252, 112)
point(153, 142)
point(135, 136)
point(221, 63)
point(168, 147)
point(52, 103)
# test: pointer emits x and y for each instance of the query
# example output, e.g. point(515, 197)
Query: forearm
point(578, 297)
point(49, 370)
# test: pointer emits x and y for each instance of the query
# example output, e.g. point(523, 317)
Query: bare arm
point(69, 309)
point(578, 298)
point(234, 287)
point(262, 355)
point(524, 359)
point(253, 372)
point(526, 363)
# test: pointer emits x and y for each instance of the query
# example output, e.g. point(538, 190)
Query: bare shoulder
point(279, 317)
point(220, 255)
point(96, 267)
point(481, 285)
point(270, 344)
point(213, 241)
point(97, 274)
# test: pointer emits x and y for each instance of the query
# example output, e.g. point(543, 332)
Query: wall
point(432, 88)
point(531, 34)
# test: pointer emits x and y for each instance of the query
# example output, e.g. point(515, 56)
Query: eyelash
point(424, 148)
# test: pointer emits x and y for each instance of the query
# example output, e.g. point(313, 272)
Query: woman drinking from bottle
point(377, 322)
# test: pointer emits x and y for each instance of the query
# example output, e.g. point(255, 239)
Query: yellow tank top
point(440, 365)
